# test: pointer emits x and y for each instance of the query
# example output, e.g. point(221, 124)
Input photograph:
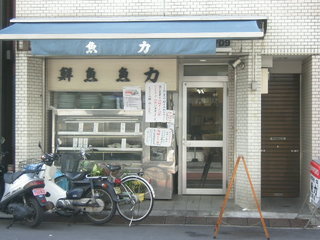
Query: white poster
point(156, 102)
point(160, 137)
point(132, 98)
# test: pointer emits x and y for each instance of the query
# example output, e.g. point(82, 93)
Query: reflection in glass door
point(204, 138)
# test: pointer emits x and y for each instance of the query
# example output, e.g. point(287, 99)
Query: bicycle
point(135, 194)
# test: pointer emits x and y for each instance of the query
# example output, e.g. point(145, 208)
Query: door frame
point(201, 81)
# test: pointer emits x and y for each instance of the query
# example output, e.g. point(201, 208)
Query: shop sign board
point(315, 183)
point(156, 102)
point(159, 137)
point(109, 75)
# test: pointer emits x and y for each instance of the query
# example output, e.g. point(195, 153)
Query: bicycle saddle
point(113, 168)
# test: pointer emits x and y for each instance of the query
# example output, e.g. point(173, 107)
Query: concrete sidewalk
point(204, 210)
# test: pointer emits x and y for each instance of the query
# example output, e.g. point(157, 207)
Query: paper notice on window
point(132, 98)
point(75, 142)
point(123, 127)
point(156, 102)
point(80, 127)
point(170, 116)
point(160, 137)
point(170, 119)
point(137, 127)
point(95, 127)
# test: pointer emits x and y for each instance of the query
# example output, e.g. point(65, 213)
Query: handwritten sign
point(160, 137)
point(156, 102)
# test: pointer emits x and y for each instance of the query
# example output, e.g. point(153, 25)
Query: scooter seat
point(11, 177)
point(75, 176)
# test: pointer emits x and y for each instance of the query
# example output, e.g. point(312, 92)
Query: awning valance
point(124, 47)
point(226, 29)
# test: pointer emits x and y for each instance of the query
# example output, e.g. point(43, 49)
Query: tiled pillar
point(248, 132)
point(315, 106)
point(29, 107)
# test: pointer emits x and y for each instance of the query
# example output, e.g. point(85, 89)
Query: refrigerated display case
point(117, 136)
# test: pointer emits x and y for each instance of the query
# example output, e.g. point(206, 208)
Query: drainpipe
point(237, 63)
point(235, 128)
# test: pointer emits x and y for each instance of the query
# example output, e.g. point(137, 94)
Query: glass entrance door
point(204, 151)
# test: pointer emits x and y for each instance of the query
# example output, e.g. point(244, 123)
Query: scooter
point(23, 195)
point(91, 195)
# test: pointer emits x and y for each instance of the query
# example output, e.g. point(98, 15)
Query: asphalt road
point(81, 231)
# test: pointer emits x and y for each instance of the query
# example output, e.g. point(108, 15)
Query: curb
point(182, 220)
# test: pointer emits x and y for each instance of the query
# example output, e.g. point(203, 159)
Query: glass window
point(204, 119)
point(205, 70)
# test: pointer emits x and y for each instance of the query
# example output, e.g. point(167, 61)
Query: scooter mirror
point(40, 146)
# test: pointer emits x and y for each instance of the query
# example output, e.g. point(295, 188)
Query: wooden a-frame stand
point(219, 221)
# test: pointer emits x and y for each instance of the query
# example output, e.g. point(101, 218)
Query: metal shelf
point(103, 149)
point(97, 112)
point(99, 134)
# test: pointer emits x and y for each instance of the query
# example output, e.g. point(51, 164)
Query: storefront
point(155, 94)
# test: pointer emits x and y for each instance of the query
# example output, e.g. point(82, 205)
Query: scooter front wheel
point(108, 210)
point(37, 213)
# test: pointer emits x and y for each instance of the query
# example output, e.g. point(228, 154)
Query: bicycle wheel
point(108, 211)
point(135, 199)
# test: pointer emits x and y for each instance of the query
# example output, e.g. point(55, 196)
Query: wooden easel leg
point(219, 221)
point(256, 200)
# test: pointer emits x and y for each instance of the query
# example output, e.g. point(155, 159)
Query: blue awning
point(134, 37)
point(241, 29)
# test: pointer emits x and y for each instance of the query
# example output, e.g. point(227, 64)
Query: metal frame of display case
point(118, 115)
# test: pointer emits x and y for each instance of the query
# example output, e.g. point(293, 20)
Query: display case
point(117, 135)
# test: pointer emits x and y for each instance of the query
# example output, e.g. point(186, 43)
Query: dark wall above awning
point(226, 29)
